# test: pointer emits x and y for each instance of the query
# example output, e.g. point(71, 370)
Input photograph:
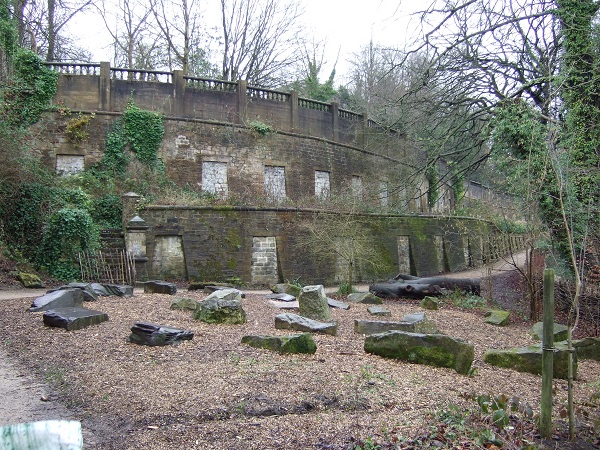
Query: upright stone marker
point(312, 302)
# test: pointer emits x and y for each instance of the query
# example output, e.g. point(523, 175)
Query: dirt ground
point(214, 392)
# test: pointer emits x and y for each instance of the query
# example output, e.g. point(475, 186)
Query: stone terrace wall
point(218, 243)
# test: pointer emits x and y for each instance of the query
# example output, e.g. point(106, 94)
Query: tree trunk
point(415, 287)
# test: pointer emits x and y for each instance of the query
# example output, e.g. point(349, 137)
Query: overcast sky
point(345, 25)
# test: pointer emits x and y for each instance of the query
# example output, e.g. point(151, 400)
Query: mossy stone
point(30, 280)
point(429, 303)
point(299, 343)
point(497, 317)
point(184, 304)
point(560, 331)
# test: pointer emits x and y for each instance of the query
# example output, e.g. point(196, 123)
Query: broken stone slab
point(365, 297)
point(42, 435)
point(588, 348)
point(313, 304)
point(337, 304)
point(286, 288)
point(284, 305)
point(89, 295)
point(375, 326)
point(159, 287)
point(65, 298)
point(529, 359)
point(560, 331)
point(497, 317)
point(431, 349)
point(223, 306)
point(30, 280)
point(378, 310)
point(282, 297)
point(73, 318)
point(184, 304)
point(429, 303)
point(144, 333)
point(295, 322)
point(106, 290)
point(299, 343)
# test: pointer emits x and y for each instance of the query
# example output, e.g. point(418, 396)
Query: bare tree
point(258, 40)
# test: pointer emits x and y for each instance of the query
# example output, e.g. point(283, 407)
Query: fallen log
point(416, 287)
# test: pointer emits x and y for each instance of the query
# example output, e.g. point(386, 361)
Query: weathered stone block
point(432, 349)
point(378, 311)
point(529, 359)
point(300, 343)
point(159, 287)
point(224, 306)
point(156, 335)
point(64, 298)
point(560, 331)
point(588, 348)
point(411, 323)
point(429, 303)
point(73, 318)
point(298, 323)
point(30, 280)
point(364, 297)
point(337, 304)
point(286, 288)
point(313, 304)
point(183, 304)
point(497, 317)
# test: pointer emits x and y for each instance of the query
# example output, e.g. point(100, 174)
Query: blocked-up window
point(275, 182)
point(383, 193)
point(357, 186)
point(69, 164)
point(214, 178)
point(322, 184)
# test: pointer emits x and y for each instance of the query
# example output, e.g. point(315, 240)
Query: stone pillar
point(178, 93)
point(104, 94)
point(294, 111)
point(242, 101)
point(130, 201)
point(335, 123)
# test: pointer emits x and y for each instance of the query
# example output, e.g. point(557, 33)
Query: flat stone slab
point(299, 343)
point(284, 305)
point(282, 297)
point(560, 331)
point(286, 288)
point(529, 359)
point(431, 349)
point(160, 287)
point(369, 327)
point(73, 318)
point(151, 334)
point(497, 317)
point(89, 295)
point(333, 303)
point(298, 323)
point(379, 311)
point(365, 297)
point(64, 298)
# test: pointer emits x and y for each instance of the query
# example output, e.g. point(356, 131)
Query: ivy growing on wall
point(143, 132)
point(433, 180)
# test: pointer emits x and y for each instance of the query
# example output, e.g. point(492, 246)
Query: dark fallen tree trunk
point(415, 287)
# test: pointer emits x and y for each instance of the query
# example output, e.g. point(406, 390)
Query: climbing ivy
point(29, 91)
point(433, 180)
point(143, 132)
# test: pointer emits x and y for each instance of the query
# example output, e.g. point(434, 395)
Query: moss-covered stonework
point(529, 359)
point(221, 307)
point(560, 331)
point(431, 349)
point(300, 343)
point(497, 317)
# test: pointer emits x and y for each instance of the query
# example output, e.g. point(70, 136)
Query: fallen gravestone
point(364, 297)
point(299, 343)
point(159, 287)
point(412, 326)
point(106, 290)
point(337, 304)
point(298, 323)
point(529, 359)
point(183, 304)
point(65, 298)
point(73, 318)
point(223, 306)
point(281, 297)
point(432, 349)
point(312, 303)
point(89, 295)
point(143, 333)
point(497, 317)
point(378, 310)
point(560, 331)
